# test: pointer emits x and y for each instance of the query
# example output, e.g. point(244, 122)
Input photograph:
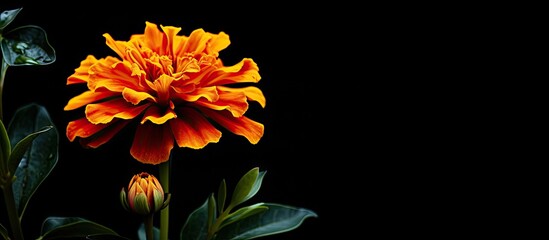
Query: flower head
point(176, 87)
point(144, 195)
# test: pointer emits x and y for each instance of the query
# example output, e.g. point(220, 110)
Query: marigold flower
point(144, 195)
point(175, 86)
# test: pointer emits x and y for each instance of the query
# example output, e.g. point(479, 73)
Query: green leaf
point(256, 185)
point(278, 219)
point(221, 196)
point(72, 227)
point(243, 213)
point(142, 233)
point(247, 186)
point(40, 158)
point(196, 226)
point(27, 45)
point(7, 16)
point(4, 233)
point(22, 146)
point(5, 149)
point(212, 216)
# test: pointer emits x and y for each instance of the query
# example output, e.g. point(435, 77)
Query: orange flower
point(175, 86)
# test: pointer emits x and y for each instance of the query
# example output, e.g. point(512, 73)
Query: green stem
point(212, 230)
point(15, 223)
point(165, 212)
point(149, 226)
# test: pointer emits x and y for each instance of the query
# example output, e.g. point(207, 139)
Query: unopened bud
point(144, 195)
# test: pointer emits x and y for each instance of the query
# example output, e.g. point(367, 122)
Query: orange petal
point(152, 143)
point(86, 98)
point(162, 88)
point(209, 93)
point(246, 71)
point(82, 128)
point(119, 47)
point(218, 43)
point(171, 34)
point(114, 75)
point(195, 43)
point(81, 74)
point(154, 39)
point(193, 130)
point(105, 135)
point(104, 112)
point(155, 115)
point(183, 87)
point(136, 97)
point(252, 93)
point(234, 102)
point(243, 126)
point(186, 64)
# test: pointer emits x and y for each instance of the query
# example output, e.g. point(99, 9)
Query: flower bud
point(144, 196)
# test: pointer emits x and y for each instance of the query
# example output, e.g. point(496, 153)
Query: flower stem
point(149, 226)
point(12, 212)
point(165, 212)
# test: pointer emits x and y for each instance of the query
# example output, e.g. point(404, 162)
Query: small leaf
point(196, 226)
point(212, 216)
point(27, 45)
point(5, 149)
point(278, 219)
point(72, 227)
point(22, 146)
point(244, 188)
point(7, 16)
point(40, 158)
point(4, 232)
point(243, 213)
point(221, 196)
point(257, 185)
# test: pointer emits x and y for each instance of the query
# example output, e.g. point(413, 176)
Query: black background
point(293, 48)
